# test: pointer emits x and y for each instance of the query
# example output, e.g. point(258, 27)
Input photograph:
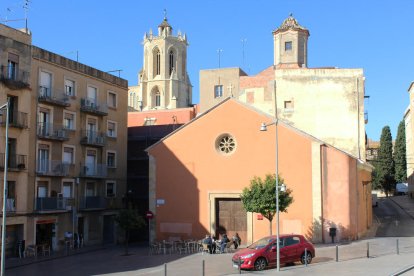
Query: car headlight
point(247, 256)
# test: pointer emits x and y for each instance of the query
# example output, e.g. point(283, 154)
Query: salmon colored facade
point(162, 117)
point(189, 176)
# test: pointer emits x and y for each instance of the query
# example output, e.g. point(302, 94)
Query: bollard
point(337, 253)
point(239, 265)
point(367, 249)
point(165, 269)
point(203, 267)
point(398, 248)
point(306, 256)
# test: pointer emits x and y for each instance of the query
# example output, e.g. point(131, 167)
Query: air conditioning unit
point(99, 140)
point(60, 133)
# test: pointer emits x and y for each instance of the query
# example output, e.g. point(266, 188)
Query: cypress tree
point(385, 170)
point(400, 158)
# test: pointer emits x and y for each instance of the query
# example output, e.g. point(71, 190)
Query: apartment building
point(74, 176)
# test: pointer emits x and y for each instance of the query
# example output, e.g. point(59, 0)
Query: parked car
point(374, 200)
point(262, 253)
point(401, 188)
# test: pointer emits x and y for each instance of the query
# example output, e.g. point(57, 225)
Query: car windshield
point(261, 243)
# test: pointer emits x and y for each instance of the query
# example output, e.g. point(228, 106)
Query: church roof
point(164, 23)
point(290, 23)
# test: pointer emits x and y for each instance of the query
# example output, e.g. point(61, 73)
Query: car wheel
point(308, 258)
point(260, 264)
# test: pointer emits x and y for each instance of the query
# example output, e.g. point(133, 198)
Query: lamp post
point(6, 153)
point(263, 127)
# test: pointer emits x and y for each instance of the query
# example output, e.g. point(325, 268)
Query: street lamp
point(263, 127)
point(6, 155)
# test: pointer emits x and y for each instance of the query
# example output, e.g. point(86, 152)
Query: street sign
point(149, 215)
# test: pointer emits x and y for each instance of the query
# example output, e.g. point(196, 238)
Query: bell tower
point(164, 82)
point(290, 44)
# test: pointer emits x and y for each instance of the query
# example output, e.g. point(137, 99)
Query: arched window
point(157, 62)
point(171, 67)
point(157, 99)
point(133, 100)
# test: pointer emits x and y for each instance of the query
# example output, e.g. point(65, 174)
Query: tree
point(129, 219)
point(400, 158)
point(260, 197)
point(384, 164)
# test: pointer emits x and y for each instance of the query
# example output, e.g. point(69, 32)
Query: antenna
point(243, 41)
point(26, 8)
point(219, 51)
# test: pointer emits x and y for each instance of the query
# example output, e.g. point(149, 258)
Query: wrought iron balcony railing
point(46, 95)
point(16, 119)
point(92, 106)
point(93, 138)
point(15, 162)
point(93, 202)
point(52, 131)
point(53, 203)
point(94, 170)
point(13, 77)
point(52, 167)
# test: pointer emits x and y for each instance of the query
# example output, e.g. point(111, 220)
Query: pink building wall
point(188, 168)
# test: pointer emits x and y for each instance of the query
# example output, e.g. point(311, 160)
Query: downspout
point(358, 120)
point(323, 181)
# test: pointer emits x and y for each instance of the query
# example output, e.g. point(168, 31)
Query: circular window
point(226, 144)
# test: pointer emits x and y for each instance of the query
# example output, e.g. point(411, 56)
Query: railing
point(52, 203)
point(15, 161)
point(52, 131)
point(10, 205)
point(93, 138)
point(56, 98)
point(12, 73)
point(52, 167)
point(94, 170)
point(93, 202)
point(92, 106)
point(16, 119)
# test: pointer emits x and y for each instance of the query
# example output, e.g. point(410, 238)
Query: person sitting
point(223, 242)
point(210, 244)
point(236, 240)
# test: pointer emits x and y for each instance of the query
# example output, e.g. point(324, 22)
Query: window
point(218, 91)
point(111, 129)
point(110, 189)
point(111, 100)
point(43, 158)
point(288, 46)
point(171, 56)
point(111, 159)
point(157, 62)
point(157, 99)
point(11, 189)
point(225, 144)
point(90, 189)
point(12, 66)
point(149, 121)
point(45, 84)
point(69, 88)
point(288, 105)
point(42, 189)
point(67, 189)
point(69, 121)
point(68, 155)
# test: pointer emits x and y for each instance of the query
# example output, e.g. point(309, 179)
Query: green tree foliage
point(260, 197)
point(385, 170)
point(129, 219)
point(400, 158)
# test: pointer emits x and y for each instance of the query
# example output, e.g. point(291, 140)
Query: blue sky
point(374, 35)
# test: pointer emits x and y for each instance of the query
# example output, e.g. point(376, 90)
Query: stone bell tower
point(164, 82)
point(290, 45)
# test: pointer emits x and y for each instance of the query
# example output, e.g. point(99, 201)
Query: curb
point(51, 258)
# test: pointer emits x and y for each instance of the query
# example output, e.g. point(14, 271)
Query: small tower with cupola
point(291, 44)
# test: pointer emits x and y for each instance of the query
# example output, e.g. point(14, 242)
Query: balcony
point(93, 138)
point(14, 78)
point(55, 98)
point(52, 168)
point(52, 132)
point(15, 162)
point(53, 204)
point(93, 170)
point(16, 119)
point(92, 106)
point(93, 202)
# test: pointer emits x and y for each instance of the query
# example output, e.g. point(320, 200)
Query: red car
point(262, 253)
